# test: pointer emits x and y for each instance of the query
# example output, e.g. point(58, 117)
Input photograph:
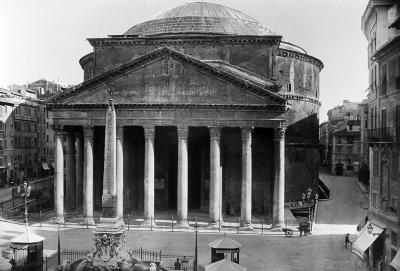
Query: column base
point(184, 224)
point(88, 221)
point(215, 225)
point(277, 226)
point(59, 220)
point(148, 223)
point(246, 227)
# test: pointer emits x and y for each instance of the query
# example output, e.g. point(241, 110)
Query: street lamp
point(24, 190)
point(196, 230)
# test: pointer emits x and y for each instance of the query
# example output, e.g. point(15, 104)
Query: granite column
point(88, 174)
point(279, 180)
point(245, 208)
point(59, 174)
point(149, 133)
point(182, 176)
point(120, 172)
point(215, 176)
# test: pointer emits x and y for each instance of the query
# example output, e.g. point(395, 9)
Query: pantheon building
point(215, 113)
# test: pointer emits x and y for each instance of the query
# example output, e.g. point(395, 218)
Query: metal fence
point(186, 262)
point(147, 255)
point(71, 255)
point(41, 199)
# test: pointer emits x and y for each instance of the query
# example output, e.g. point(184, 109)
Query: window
point(383, 123)
point(375, 163)
point(1, 126)
point(397, 80)
point(395, 163)
point(384, 79)
point(1, 144)
point(375, 200)
point(393, 237)
point(350, 140)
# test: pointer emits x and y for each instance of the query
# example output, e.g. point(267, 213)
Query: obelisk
point(109, 233)
point(110, 164)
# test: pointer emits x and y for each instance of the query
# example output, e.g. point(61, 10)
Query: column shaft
point(182, 176)
point(120, 172)
point(59, 175)
point(70, 186)
point(215, 180)
point(149, 133)
point(279, 181)
point(246, 177)
point(79, 170)
point(88, 174)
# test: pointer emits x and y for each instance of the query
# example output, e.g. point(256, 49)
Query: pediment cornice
point(161, 106)
point(165, 52)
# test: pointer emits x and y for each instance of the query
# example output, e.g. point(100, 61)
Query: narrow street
point(346, 208)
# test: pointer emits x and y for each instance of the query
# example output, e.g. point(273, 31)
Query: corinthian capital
point(279, 133)
point(149, 132)
point(183, 131)
point(215, 132)
point(246, 133)
point(58, 129)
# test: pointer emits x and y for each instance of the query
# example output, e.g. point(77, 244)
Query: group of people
point(182, 264)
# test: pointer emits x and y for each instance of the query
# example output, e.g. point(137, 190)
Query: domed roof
point(200, 17)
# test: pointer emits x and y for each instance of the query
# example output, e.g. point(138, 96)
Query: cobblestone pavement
point(267, 252)
point(322, 251)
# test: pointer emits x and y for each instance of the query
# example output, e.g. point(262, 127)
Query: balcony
point(386, 134)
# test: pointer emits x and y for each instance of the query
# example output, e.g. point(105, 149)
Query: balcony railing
point(386, 134)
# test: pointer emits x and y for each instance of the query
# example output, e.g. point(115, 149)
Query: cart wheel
point(289, 233)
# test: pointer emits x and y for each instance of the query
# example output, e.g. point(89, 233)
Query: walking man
point(347, 240)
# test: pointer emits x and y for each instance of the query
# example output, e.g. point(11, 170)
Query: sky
point(46, 38)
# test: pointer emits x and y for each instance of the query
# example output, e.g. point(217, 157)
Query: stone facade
point(207, 121)
point(380, 24)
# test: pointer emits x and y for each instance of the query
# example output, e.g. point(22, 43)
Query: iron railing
point(386, 134)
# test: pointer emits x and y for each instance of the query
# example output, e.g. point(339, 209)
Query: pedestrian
point(184, 263)
point(177, 264)
point(301, 229)
point(309, 192)
point(316, 197)
point(303, 198)
point(347, 240)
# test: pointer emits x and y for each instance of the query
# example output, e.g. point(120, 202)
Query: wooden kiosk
point(27, 251)
point(225, 246)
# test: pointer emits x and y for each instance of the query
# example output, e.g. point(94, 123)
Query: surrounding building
point(19, 143)
point(324, 133)
point(341, 118)
point(214, 113)
point(346, 144)
point(381, 26)
point(26, 137)
point(45, 88)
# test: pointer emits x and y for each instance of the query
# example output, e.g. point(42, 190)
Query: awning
point(367, 237)
point(396, 261)
point(45, 166)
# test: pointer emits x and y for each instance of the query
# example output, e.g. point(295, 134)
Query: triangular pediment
point(169, 77)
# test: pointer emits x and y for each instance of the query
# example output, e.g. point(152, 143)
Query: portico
point(218, 149)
